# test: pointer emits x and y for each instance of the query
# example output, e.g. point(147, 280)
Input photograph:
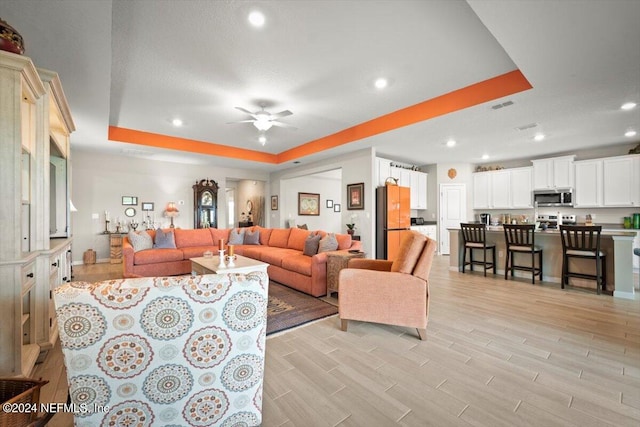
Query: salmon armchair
point(393, 293)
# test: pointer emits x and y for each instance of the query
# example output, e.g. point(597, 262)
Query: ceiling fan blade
point(242, 121)
point(246, 111)
point(282, 125)
point(281, 114)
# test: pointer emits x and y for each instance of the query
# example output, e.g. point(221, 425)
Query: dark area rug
point(288, 308)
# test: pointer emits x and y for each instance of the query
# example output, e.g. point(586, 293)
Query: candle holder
point(134, 225)
point(106, 226)
point(230, 259)
point(221, 257)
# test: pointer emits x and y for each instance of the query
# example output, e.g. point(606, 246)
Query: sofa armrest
point(370, 264)
point(127, 258)
point(356, 244)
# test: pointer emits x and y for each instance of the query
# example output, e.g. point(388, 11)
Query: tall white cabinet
point(415, 180)
point(29, 101)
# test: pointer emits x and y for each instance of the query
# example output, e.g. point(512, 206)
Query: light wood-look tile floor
point(498, 353)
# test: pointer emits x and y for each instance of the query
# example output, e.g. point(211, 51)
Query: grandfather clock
point(205, 203)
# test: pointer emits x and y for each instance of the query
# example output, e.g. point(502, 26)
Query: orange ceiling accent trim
point(478, 93)
point(182, 144)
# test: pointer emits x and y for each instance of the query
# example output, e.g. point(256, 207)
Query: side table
point(336, 261)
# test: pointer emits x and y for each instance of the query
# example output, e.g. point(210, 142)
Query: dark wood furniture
point(474, 237)
point(520, 239)
point(583, 242)
point(205, 204)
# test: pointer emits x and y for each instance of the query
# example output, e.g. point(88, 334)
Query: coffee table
point(202, 265)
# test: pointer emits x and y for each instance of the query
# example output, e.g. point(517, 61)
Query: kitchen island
point(617, 245)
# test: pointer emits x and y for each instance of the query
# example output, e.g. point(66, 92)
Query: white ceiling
point(139, 64)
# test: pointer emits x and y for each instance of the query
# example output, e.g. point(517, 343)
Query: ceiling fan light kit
point(263, 120)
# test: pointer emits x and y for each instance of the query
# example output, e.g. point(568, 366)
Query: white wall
point(99, 182)
point(356, 167)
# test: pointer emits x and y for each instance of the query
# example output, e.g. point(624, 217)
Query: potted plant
point(351, 228)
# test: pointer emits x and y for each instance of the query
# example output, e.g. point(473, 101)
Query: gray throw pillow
point(328, 243)
point(236, 236)
point(252, 237)
point(311, 244)
point(140, 241)
point(165, 240)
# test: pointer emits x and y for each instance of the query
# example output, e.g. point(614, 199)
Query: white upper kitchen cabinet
point(481, 194)
point(500, 182)
point(621, 177)
point(589, 184)
point(402, 175)
point(556, 172)
point(521, 187)
point(384, 170)
point(418, 190)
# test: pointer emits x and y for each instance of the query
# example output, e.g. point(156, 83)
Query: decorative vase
point(350, 231)
point(10, 39)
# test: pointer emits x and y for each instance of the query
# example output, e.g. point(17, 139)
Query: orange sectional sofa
point(281, 248)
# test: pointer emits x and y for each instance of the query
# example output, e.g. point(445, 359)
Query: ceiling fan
point(263, 120)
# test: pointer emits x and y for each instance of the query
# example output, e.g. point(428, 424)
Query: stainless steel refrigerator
point(393, 219)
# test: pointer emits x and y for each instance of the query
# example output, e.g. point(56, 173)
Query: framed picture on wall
point(308, 204)
point(129, 201)
point(355, 196)
point(274, 203)
point(336, 207)
point(147, 206)
point(329, 203)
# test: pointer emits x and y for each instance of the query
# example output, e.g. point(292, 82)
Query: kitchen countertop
point(607, 230)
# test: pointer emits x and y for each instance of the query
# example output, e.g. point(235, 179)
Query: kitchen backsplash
point(599, 215)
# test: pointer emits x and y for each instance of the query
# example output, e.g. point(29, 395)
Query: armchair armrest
point(370, 264)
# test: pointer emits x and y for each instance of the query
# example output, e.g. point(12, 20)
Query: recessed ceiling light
point(381, 83)
point(539, 137)
point(262, 139)
point(628, 106)
point(451, 143)
point(485, 157)
point(256, 18)
point(630, 133)
point(177, 122)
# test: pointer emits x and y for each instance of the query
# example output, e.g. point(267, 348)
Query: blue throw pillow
point(165, 240)
point(236, 236)
point(252, 237)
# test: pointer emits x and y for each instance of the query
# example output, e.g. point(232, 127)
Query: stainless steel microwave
point(553, 197)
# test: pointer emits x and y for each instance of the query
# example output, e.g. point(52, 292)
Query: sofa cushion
point(251, 237)
point(298, 263)
point(297, 237)
point(164, 239)
point(410, 249)
point(140, 240)
point(311, 244)
point(252, 251)
point(328, 243)
point(279, 237)
point(197, 237)
point(275, 256)
point(155, 256)
point(219, 233)
point(265, 234)
point(344, 241)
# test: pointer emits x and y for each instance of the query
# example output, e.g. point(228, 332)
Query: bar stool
point(474, 236)
point(583, 242)
point(521, 239)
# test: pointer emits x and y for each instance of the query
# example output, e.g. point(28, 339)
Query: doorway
point(453, 211)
